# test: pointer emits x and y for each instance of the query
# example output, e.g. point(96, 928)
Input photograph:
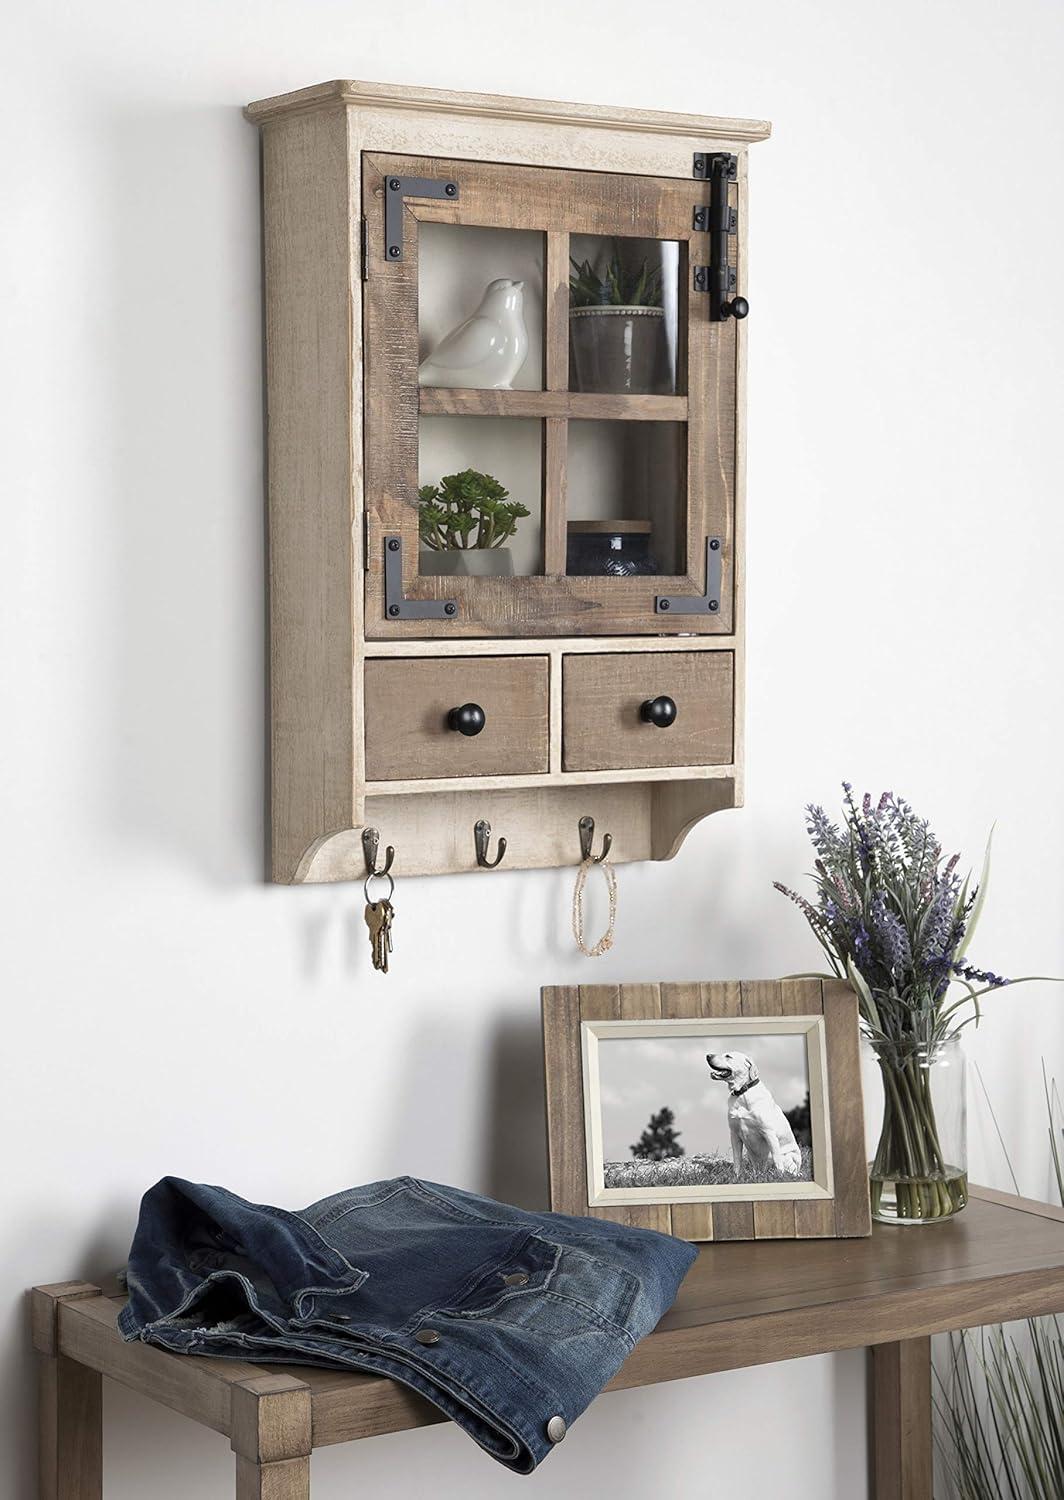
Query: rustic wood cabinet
point(598, 656)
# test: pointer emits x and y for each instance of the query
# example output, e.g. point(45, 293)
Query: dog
point(758, 1126)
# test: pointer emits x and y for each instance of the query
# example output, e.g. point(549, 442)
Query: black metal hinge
point(396, 605)
point(363, 244)
point(697, 604)
point(720, 221)
point(398, 188)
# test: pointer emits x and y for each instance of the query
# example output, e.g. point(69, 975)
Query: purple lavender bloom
point(888, 904)
point(979, 976)
point(891, 936)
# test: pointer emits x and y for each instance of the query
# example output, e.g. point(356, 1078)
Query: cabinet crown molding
point(351, 92)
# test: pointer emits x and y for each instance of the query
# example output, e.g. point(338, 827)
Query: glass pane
point(627, 498)
point(480, 307)
point(624, 315)
point(476, 476)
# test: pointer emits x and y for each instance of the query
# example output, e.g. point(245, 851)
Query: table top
point(741, 1304)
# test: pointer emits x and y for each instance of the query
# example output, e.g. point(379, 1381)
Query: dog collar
point(748, 1085)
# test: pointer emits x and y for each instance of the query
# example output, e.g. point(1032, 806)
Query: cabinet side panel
point(308, 228)
point(739, 481)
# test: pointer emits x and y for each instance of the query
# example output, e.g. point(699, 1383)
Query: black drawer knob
point(738, 307)
point(661, 712)
point(469, 719)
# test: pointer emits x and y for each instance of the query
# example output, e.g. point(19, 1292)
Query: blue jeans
point(510, 1322)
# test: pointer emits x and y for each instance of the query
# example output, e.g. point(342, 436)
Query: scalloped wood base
point(433, 834)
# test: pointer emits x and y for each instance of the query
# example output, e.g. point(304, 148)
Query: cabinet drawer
point(407, 704)
point(602, 727)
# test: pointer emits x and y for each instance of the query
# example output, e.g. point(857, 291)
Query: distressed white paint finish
point(166, 1011)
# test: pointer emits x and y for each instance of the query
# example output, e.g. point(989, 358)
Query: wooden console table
point(741, 1304)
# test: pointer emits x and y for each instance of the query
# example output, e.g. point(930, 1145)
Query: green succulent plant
point(467, 510)
point(613, 286)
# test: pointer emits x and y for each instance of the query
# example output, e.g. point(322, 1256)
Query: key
point(384, 935)
point(374, 921)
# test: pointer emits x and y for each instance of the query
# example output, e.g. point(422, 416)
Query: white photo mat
point(812, 1028)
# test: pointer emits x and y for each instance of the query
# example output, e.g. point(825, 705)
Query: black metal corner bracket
point(697, 604)
point(396, 605)
point(720, 221)
point(398, 188)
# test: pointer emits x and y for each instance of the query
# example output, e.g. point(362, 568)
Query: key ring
point(379, 875)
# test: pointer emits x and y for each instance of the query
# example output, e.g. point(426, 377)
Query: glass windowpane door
point(480, 496)
point(524, 356)
point(626, 488)
point(624, 315)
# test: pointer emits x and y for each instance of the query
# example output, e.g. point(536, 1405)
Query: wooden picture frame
point(833, 1204)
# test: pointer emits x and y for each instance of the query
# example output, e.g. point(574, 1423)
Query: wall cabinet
point(598, 656)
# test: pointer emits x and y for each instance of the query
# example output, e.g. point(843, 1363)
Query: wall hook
point(370, 842)
point(482, 837)
point(587, 838)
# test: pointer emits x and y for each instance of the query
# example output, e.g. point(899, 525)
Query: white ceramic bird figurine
point(487, 350)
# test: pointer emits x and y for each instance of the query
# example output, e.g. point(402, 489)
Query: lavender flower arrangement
point(895, 920)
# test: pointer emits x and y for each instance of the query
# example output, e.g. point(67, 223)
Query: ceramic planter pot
point(619, 349)
point(468, 562)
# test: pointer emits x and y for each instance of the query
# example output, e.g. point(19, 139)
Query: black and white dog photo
point(667, 1122)
point(760, 1131)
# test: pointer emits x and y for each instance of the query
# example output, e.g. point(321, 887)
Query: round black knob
point(661, 712)
point(469, 719)
point(738, 307)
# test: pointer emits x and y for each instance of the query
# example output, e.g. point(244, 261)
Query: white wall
point(165, 1011)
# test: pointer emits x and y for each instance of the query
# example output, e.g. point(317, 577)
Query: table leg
point(901, 1420)
point(287, 1480)
point(70, 1412)
point(270, 1433)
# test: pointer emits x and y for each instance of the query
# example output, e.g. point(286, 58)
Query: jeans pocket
point(548, 1282)
point(595, 1285)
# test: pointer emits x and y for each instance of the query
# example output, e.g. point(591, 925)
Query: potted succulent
point(617, 328)
point(464, 522)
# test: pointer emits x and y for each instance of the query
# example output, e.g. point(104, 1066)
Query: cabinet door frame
point(556, 203)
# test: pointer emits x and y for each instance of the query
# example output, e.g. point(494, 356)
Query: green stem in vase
point(909, 1152)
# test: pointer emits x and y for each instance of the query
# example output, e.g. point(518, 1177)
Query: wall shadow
point(179, 408)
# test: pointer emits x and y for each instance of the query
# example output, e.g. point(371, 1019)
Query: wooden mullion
point(555, 495)
point(556, 430)
point(556, 310)
point(606, 406)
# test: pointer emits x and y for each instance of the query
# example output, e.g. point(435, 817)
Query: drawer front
point(602, 728)
point(407, 704)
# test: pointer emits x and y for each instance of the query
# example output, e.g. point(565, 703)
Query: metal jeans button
point(516, 1278)
point(556, 1429)
point(427, 1336)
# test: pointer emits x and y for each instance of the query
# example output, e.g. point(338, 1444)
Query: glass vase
point(919, 1167)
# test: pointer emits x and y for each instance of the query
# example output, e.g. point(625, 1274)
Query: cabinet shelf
point(638, 775)
point(442, 401)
